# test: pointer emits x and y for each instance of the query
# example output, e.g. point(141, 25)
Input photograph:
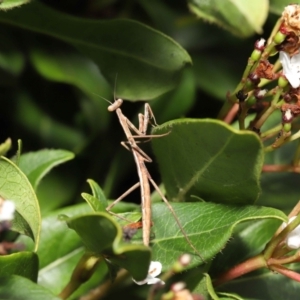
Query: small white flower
point(7, 210)
point(288, 115)
point(262, 93)
point(293, 238)
point(154, 270)
point(291, 68)
point(260, 44)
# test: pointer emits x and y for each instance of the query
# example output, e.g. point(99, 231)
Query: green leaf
point(38, 122)
point(15, 186)
point(277, 186)
point(12, 60)
point(209, 160)
point(177, 102)
point(277, 6)
point(147, 62)
point(217, 81)
point(108, 241)
point(250, 238)
point(9, 4)
point(54, 231)
point(37, 164)
point(231, 14)
point(229, 296)
point(57, 180)
point(60, 63)
point(97, 201)
point(93, 202)
point(24, 264)
point(210, 288)
point(19, 288)
point(60, 250)
point(209, 226)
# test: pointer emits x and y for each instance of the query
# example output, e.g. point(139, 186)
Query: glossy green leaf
point(209, 227)
point(19, 288)
point(277, 6)
point(209, 160)
point(97, 201)
point(25, 264)
point(9, 4)
point(15, 186)
point(144, 72)
point(108, 241)
point(37, 164)
point(231, 14)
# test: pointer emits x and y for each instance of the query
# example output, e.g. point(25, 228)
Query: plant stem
point(273, 106)
point(296, 159)
point(294, 212)
point(245, 267)
point(102, 290)
point(231, 114)
point(275, 241)
point(280, 168)
point(82, 272)
point(286, 272)
point(285, 260)
point(287, 140)
point(271, 132)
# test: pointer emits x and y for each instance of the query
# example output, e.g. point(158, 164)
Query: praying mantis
point(140, 158)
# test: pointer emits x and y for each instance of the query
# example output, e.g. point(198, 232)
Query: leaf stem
point(275, 104)
point(245, 267)
point(286, 272)
point(285, 260)
point(277, 239)
point(271, 132)
point(280, 168)
point(102, 290)
point(231, 114)
point(82, 272)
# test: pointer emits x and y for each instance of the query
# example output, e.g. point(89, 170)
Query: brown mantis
point(140, 158)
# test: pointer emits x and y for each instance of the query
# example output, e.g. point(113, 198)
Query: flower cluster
point(289, 55)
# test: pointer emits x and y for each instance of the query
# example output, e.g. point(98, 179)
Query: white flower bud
point(7, 210)
point(154, 270)
point(293, 238)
